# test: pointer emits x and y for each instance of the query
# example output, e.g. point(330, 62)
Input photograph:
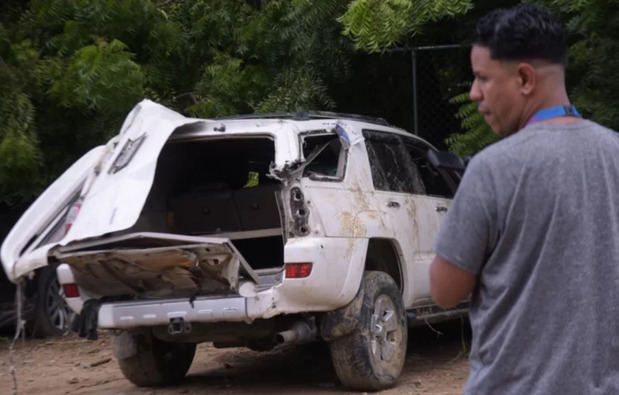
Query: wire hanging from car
point(19, 330)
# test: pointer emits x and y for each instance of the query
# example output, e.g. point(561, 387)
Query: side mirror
point(447, 160)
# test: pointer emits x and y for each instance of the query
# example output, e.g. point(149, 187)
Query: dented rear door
point(45, 214)
point(111, 198)
point(115, 199)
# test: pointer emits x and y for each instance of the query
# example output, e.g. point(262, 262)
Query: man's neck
point(549, 92)
point(558, 100)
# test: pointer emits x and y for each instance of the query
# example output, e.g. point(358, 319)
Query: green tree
point(593, 31)
point(279, 57)
point(375, 25)
point(85, 63)
point(19, 149)
point(477, 133)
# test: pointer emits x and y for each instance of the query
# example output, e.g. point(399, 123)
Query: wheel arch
point(384, 255)
point(381, 255)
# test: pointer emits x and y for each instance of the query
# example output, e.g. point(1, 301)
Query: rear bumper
point(333, 282)
point(150, 313)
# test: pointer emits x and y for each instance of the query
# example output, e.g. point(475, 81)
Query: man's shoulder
point(516, 146)
point(496, 153)
point(500, 148)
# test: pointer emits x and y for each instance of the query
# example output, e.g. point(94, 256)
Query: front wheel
point(372, 356)
point(147, 361)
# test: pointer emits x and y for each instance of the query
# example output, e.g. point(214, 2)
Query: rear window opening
point(218, 188)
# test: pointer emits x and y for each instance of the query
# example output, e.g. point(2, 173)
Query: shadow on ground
point(307, 368)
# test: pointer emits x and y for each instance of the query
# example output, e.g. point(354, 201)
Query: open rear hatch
point(149, 265)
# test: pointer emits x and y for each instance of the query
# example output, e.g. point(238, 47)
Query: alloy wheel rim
point(56, 308)
point(384, 329)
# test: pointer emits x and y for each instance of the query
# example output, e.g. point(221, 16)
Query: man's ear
point(527, 78)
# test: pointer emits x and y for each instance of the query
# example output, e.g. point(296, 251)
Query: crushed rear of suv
point(247, 231)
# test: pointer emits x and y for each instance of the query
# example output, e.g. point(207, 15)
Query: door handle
point(441, 209)
point(393, 204)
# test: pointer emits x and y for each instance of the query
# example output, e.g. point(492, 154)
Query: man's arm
point(449, 284)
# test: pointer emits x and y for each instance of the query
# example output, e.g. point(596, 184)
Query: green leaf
point(102, 78)
point(477, 134)
point(375, 25)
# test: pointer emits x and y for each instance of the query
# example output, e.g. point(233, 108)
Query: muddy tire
point(51, 316)
point(153, 362)
point(371, 357)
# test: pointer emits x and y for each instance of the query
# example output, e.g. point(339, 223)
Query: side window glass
point(391, 168)
point(379, 178)
point(435, 181)
point(327, 158)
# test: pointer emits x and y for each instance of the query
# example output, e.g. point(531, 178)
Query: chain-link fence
point(410, 88)
point(439, 74)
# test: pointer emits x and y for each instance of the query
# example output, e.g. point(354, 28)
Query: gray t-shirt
point(536, 218)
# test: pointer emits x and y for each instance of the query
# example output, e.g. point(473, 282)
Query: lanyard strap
point(554, 112)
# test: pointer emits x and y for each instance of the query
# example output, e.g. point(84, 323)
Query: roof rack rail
point(309, 115)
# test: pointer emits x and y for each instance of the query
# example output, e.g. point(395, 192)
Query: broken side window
point(392, 169)
point(329, 159)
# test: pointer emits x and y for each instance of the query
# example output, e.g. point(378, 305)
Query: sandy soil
point(436, 364)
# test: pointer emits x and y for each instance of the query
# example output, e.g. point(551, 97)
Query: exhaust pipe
point(299, 332)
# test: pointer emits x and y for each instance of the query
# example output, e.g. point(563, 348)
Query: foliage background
point(70, 70)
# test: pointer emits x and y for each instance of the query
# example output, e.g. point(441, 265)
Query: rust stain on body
point(411, 208)
point(347, 223)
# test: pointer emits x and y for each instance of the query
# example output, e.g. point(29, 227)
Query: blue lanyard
point(554, 112)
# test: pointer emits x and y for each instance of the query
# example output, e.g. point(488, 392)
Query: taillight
point(298, 270)
point(300, 213)
point(72, 215)
point(71, 290)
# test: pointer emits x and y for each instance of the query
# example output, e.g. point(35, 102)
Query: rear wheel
point(52, 316)
point(372, 356)
point(147, 361)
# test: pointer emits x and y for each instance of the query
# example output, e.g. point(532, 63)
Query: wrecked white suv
point(246, 231)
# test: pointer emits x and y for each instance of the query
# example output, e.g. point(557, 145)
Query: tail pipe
point(299, 332)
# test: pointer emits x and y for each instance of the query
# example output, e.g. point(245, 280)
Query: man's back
point(543, 204)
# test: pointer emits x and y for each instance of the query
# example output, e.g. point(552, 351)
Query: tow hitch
point(178, 326)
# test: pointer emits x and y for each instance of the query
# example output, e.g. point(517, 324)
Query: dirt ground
point(436, 364)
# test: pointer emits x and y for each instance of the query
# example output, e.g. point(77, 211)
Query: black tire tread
point(351, 354)
point(157, 363)
point(40, 325)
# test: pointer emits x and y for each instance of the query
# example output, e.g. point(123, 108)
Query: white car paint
point(43, 211)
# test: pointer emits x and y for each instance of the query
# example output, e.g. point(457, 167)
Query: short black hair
point(523, 32)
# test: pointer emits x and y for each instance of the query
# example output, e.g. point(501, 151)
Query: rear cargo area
point(218, 188)
point(210, 189)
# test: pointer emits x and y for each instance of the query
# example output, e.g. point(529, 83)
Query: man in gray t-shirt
point(533, 231)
